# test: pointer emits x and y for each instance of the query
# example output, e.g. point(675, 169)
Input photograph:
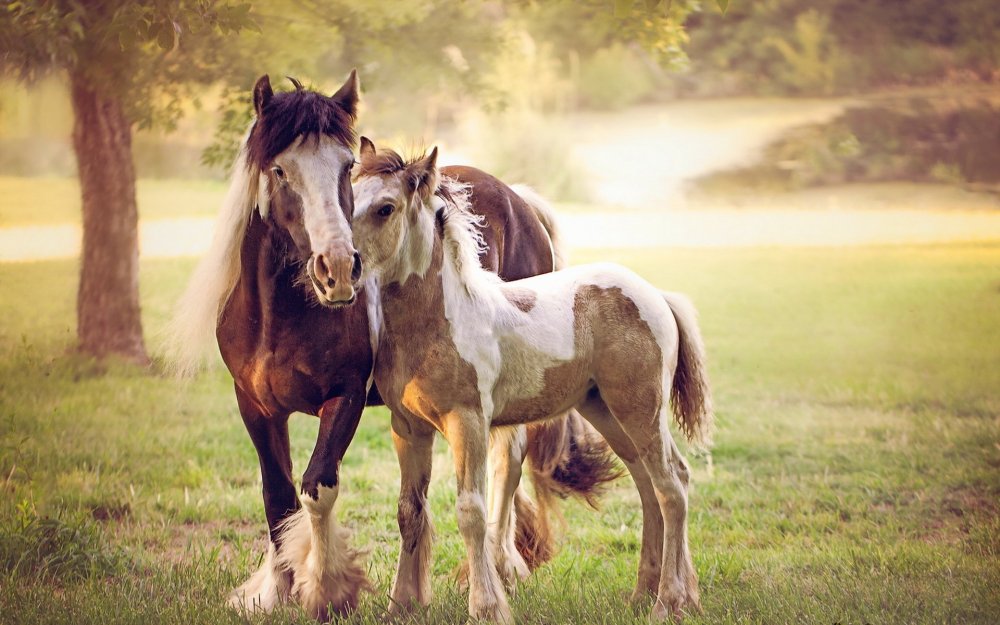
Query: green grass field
point(855, 477)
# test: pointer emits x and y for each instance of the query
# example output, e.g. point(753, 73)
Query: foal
point(459, 351)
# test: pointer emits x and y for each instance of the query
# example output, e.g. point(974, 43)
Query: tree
point(128, 63)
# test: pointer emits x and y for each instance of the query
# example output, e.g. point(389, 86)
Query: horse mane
point(386, 162)
point(292, 114)
point(191, 331)
point(458, 225)
point(286, 117)
point(460, 229)
point(462, 243)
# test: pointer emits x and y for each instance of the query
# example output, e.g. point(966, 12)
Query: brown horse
point(274, 289)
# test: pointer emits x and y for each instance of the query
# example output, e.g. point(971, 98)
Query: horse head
point(302, 144)
point(394, 214)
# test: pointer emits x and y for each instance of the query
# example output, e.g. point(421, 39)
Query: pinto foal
point(459, 352)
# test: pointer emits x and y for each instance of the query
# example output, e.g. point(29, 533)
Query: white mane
point(191, 332)
point(462, 275)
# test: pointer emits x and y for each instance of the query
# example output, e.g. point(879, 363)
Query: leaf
point(723, 5)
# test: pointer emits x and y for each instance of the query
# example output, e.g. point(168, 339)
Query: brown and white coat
point(459, 351)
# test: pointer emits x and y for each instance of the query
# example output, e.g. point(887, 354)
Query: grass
point(855, 476)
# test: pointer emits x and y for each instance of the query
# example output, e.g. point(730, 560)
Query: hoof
point(512, 570)
point(674, 609)
point(642, 597)
point(493, 613)
point(268, 587)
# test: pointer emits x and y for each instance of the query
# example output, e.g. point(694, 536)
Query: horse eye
point(385, 210)
point(279, 172)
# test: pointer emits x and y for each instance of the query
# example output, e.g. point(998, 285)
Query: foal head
point(302, 144)
point(394, 212)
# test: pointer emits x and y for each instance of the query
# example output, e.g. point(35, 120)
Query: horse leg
point(650, 553)
point(507, 450)
point(270, 584)
point(414, 444)
point(678, 586)
point(328, 576)
point(468, 435)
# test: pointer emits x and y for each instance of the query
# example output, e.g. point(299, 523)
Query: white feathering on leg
point(316, 553)
point(327, 571)
point(265, 589)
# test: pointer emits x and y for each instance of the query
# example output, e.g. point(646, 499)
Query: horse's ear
point(262, 94)
point(367, 151)
point(347, 96)
point(422, 175)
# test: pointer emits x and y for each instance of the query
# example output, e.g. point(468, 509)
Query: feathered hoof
point(512, 570)
point(324, 596)
point(674, 610)
point(494, 612)
point(326, 577)
point(329, 578)
point(266, 588)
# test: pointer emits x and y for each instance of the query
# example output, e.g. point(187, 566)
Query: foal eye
point(385, 210)
point(279, 172)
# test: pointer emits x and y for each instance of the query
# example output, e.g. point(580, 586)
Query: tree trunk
point(107, 305)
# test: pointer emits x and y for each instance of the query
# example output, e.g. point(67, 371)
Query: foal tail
point(566, 457)
point(547, 216)
point(690, 395)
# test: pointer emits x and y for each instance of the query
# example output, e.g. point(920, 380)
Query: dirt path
point(707, 227)
point(638, 162)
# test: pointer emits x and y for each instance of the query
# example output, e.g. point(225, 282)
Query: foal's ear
point(367, 152)
point(262, 94)
point(347, 96)
point(422, 175)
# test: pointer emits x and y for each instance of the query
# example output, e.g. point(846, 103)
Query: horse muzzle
point(335, 281)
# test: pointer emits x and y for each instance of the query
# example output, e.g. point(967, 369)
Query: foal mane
point(385, 163)
point(286, 117)
point(458, 226)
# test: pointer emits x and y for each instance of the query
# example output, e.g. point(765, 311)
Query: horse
point(461, 352)
point(275, 289)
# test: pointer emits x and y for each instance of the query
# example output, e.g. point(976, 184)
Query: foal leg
point(668, 472)
point(507, 450)
point(326, 570)
point(414, 444)
point(270, 584)
point(468, 434)
point(651, 552)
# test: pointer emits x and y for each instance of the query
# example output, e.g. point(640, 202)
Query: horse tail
point(690, 394)
point(191, 332)
point(533, 535)
point(566, 457)
point(547, 216)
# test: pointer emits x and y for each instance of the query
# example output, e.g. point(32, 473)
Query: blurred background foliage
point(824, 47)
point(489, 75)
